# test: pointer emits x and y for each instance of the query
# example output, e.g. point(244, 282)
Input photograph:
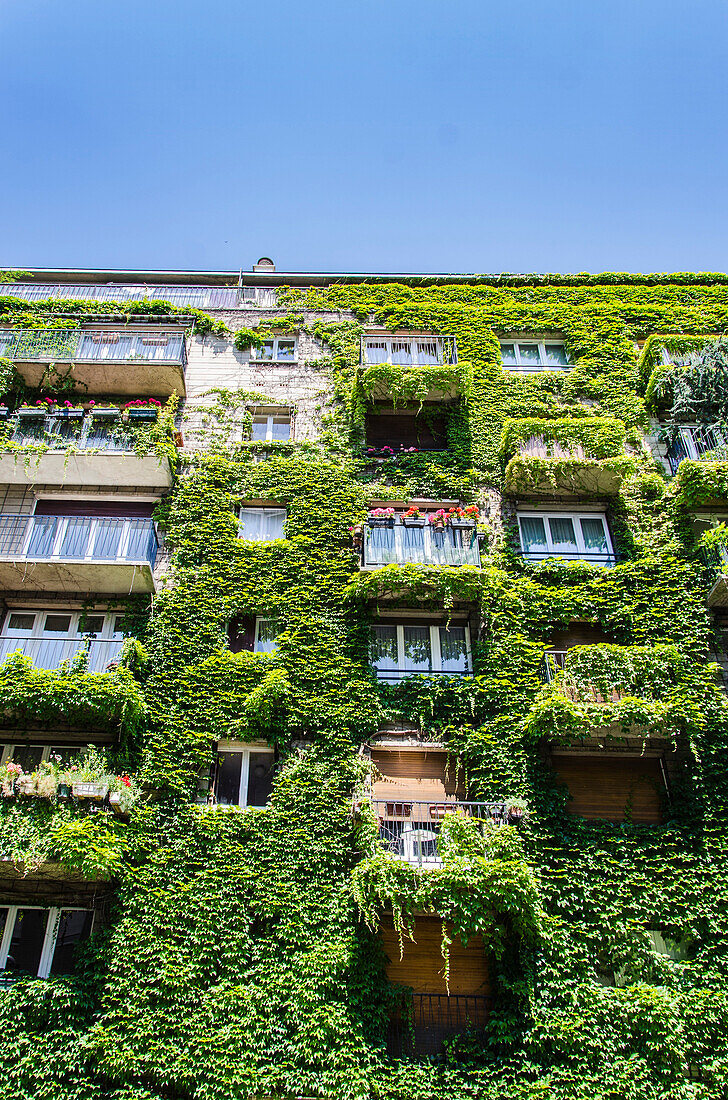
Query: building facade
point(364, 723)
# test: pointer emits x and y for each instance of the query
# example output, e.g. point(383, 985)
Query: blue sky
point(436, 135)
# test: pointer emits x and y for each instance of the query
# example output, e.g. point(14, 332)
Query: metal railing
point(554, 662)
point(697, 443)
point(536, 446)
point(50, 652)
point(87, 432)
point(408, 829)
point(394, 675)
point(426, 1020)
point(598, 557)
point(28, 345)
point(200, 297)
point(423, 545)
point(78, 538)
point(408, 351)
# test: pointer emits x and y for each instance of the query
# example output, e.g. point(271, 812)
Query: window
point(696, 442)
point(49, 637)
point(407, 650)
point(278, 349)
point(408, 351)
point(562, 535)
point(271, 429)
point(243, 774)
point(266, 633)
point(262, 524)
point(423, 431)
point(534, 355)
point(41, 942)
point(30, 757)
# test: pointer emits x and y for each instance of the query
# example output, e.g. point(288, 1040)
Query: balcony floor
point(100, 577)
point(124, 377)
point(112, 468)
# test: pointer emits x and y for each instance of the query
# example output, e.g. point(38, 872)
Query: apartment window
point(262, 524)
point(41, 942)
point(409, 351)
point(30, 757)
point(49, 637)
point(406, 650)
point(271, 429)
point(278, 349)
point(534, 355)
point(244, 775)
point(566, 535)
point(266, 634)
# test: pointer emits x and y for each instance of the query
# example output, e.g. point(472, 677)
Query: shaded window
point(244, 777)
point(426, 431)
point(74, 926)
point(262, 524)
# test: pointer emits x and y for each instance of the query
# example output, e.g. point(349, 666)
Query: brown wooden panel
point(578, 633)
point(420, 776)
point(604, 787)
point(422, 965)
point(93, 507)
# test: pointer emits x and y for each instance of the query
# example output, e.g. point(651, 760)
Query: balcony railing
point(84, 432)
point(599, 557)
point(50, 652)
point(426, 1020)
point(420, 545)
point(554, 662)
point(408, 829)
point(697, 443)
point(78, 538)
point(28, 345)
point(408, 351)
point(200, 297)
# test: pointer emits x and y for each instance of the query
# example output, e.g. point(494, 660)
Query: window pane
point(402, 353)
point(266, 633)
point(227, 787)
point(529, 353)
point(595, 538)
point(67, 754)
point(375, 351)
point(417, 653)
point(21, 622)
point(260, 778)
point(265, 351)
point(119, 626)
point(281, 429)
point(508, 351)
point(427, 352)
point(74, 927)
point(28, 756)
point(384, 648)
point(26, 944)
point(533, 534)
point(262, 524)
point(57, 624)
point(556, 355)
point(286, 349)
point(259, 428)
point(94, 624)
point(453, 649)
point(562, 534)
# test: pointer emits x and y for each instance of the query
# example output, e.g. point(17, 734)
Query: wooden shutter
point(414, 775)
point(605, 787)
point(124, 508)
point(422, 964)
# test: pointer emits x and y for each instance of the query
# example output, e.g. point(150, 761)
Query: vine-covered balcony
point(420, 540)
point(199, 297)
point(77, 553)
point(566, 457)
point(409, 829)
point(699, 443)
point(49, 653)
point(124, 361)
point(102, 447)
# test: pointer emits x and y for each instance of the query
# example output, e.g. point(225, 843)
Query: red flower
point(125, 780)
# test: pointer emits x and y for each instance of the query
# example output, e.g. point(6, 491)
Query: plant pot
point(63, 790)
point(32, 413)
point(142, 414)
point(95, 791)
point(438, 525)
point(7, 789)
point(46, 786)
point(413, 521)
point(105, 412)
point(464, 524)
point(115, 803)
point(26, 784)
point(379, 521)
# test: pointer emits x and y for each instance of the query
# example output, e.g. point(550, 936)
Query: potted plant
point(381, 517)
point(143, 409)
point(95, 791)
point(413, 517)
point(438, 519)
point(47, 779)
point(102, 410)
point(27, 783)
point(123, 794)
point(463, 517)
point(357, 535)
point(516, 809)
point(8, 775)
point(69, 411)
point(63, 791)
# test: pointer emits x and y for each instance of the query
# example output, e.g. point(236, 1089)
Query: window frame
point(607, 558)
point(53, 923)
point(530, 368)
point(258, 620)
point(400, 673)
point(256, 356)
point(389, 339)
point(245, 750)
point(261, 510)
point(269, 418)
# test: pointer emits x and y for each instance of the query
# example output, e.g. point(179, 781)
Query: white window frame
point(581, 554)
point(244, 749)
point(96, 525)
point(51, 932)
point(259, 619)
point(256, 356)
point(534, 368)
point(70, 641)
point(436, 656)
point(9, 747)
point(390, 339)
point(252, 508)
point(269, 418)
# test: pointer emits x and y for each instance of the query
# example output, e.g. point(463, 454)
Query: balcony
point(555, 662)
point(703, 443)
point(408, 829)
point(715, 560)
point(48, 653)
point(110, 458)
point(402, 542)
point(420, 1027)
point(153, 360)
point(199, 297)
point(77, 554)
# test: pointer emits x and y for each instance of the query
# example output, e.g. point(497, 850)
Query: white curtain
point(262, 524)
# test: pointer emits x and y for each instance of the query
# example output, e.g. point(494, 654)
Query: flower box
point(115, 803)
point(149, 413)
point(33, 412)
point(381, 521)
point(414, 521)
point(26, 784)
point(69, 414)
point(96, 791)
point(463, 523)
point(110, 412)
